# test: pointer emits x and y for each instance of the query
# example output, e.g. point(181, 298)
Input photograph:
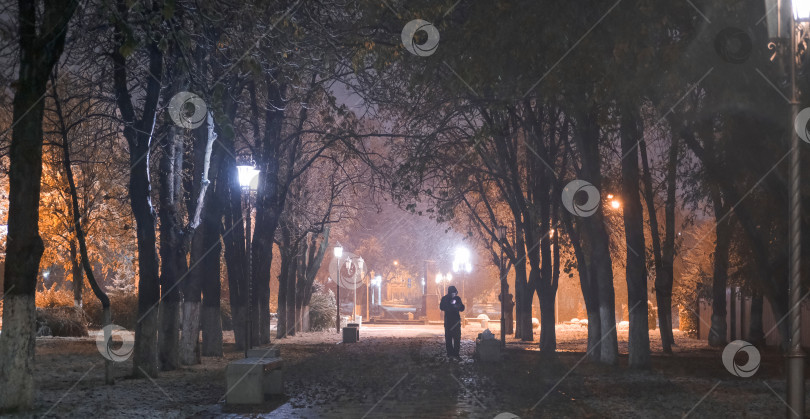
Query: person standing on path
point(451, 305)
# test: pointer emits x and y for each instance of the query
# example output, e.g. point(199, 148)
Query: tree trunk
point(600, 266)
point(291, 293)
point(664, 307)
point(547, 284)
point(588, 287)
point(756, 334)
point(664, 282)
point(270, 199)
point(80, 238)
point(211, 319)
point(548, 336)
point(636, 268)
point(233, 238)
point(312, 259)
point(138, 133)
point(171, 252)
point(301, 285)
point(24, 246)
point(718, 331)
point(203, 245)
point(281, 326)
point(233, 235)
point(773, 284)
point(189, 338)
point(76, 275)
point(523, 295)
point(210, 267)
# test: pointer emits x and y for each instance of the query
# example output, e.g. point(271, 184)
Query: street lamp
point(338, 254)
point(443, 280)
point(461, 263)
point(360, 263)
point(378, 283)
point(501, 239)
point(780, 34)
point(248, 180)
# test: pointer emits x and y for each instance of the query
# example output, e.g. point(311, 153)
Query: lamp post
point(501, 238)
point(248, 176)
point(368, 287)
point(795, 381)
point(378, 282)
point(360, 263)
point(338, 254)
point(796, 21)
point(461, 263)
point(442, 281)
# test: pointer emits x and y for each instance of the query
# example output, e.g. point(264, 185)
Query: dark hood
point(452, 289)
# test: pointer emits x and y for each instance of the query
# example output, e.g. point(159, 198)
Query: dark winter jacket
point(451, 307)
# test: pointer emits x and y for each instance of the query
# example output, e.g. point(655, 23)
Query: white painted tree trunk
point(305, 320)
point(17, 343)
point(189, 340)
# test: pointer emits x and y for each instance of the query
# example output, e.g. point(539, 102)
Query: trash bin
point(349, 334)
point(356, 328)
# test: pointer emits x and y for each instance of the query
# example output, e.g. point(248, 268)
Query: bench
point(251, 379)
point(482, 318)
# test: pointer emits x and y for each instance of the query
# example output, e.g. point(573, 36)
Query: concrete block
point(488, 350)
point(250, 379)
point(351, 334)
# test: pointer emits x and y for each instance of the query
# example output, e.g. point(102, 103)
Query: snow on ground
point(401, 371)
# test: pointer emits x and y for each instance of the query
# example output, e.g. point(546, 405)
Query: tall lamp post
point(796, 22)
point(248, 177)
point(501, 238)
point(378, 282)
point(461, 263)
point(338, 254)
point(360, 263)
point(442, 281)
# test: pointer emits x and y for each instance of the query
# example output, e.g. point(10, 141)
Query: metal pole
point(337, 317)
point(249, 324)
point(354, 304)
point(503, 300)
point(795, 379)
point(367, 310)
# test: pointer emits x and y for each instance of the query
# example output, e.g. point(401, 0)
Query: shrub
point(322, 310)
point(62, 321)
point(688, 322)
point(123, 309)
point(54, 297)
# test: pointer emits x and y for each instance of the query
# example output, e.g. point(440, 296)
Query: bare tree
point(42, 35)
